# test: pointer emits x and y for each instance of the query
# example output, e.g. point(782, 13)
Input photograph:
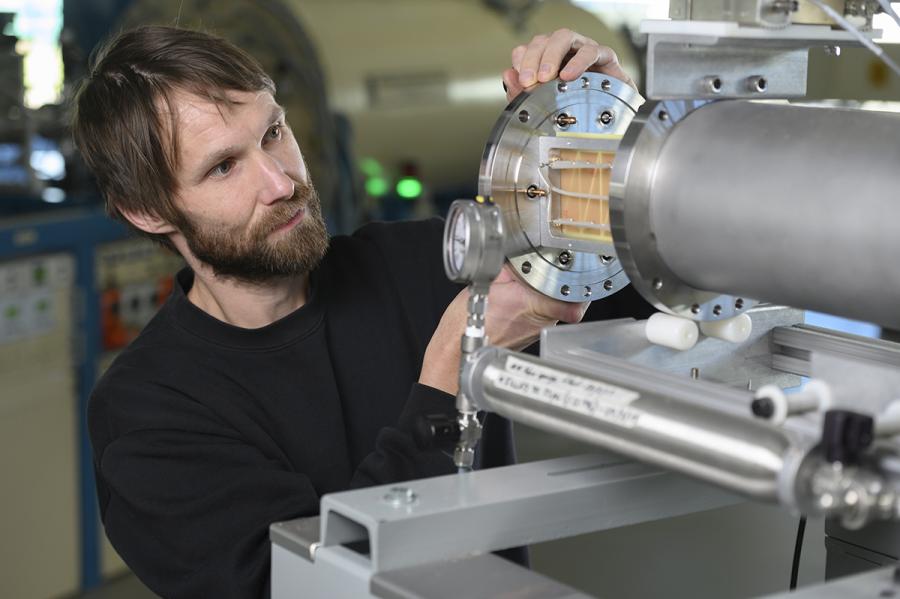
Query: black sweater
point(205, 433)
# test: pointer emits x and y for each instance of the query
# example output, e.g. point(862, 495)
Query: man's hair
point(124, 121)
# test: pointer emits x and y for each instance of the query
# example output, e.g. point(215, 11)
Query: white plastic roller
point(733, 330)
point(672, 331)
point(773, 404)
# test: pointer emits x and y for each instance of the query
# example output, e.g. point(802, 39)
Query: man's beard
point(251, 256)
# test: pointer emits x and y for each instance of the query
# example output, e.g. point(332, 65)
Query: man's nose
point(275, 185)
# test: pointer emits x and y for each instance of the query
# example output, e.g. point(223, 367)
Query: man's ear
point(149, 223)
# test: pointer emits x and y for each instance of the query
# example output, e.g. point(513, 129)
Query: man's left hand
point(564, 54)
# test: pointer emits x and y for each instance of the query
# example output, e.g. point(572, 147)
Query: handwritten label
point(570, 392)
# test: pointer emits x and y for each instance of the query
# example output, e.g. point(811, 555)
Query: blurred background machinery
point(392, 102)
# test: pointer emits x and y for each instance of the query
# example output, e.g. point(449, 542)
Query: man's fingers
point(517, 53)
point(555, 50)
point(531, 60)
point(511, 84)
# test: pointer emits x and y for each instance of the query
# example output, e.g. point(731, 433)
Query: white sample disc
point(672, 331)
point(735, 330)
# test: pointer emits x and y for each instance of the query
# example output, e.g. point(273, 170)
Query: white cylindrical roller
point(733, 330)
point(887, 424)
point(816, 395)
point(672, 331)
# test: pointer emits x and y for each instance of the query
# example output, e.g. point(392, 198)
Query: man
point(283, 366)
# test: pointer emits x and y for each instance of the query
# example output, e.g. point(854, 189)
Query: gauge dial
point(459, 241)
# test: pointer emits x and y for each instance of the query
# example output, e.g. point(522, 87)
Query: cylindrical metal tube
point(736, 453)
point(793, 205)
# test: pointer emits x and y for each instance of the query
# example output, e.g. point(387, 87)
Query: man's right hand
point(516, 314)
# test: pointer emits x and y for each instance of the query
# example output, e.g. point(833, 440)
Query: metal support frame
point(437, 520)
point(722, 59)
point(77, 233)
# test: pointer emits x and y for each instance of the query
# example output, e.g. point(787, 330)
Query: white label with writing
point(571, 392)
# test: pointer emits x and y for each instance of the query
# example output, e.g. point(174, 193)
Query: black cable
point(798, 545)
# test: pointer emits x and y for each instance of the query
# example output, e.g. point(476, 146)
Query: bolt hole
point(587, 291)
point(607, 285)
point(526, 267)
point(738, 304)
point(585, 82)
point(565, 290)
point(717, 310)
point(604, 259)
point(761, 84)
point(663, 115)
point(605, 85)
point(695, 309)
point(716, 84)
point(524, 116)
point(562, 86)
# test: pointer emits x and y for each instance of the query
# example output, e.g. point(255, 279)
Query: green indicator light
point(409, 188)
point(376, 186)
point(370, 167)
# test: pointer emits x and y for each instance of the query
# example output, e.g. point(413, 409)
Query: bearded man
point(284, 366)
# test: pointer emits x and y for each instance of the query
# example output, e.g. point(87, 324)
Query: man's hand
point(515, 316)
point(541, 59)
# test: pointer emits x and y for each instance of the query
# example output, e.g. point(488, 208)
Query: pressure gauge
point(473, 242)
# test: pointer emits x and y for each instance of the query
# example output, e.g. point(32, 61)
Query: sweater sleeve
point(188, 503)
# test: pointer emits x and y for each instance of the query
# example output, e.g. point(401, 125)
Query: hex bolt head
point(400, 496)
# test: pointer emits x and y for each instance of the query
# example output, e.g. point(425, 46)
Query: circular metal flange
point(630, 198)
point(516, 173)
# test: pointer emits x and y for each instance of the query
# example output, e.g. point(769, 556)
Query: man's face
point(248, 208)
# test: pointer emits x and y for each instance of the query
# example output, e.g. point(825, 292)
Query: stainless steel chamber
point(715, 203)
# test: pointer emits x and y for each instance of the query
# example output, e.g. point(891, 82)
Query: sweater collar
point(291, 327)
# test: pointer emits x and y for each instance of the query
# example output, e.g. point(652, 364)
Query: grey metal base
point(375, 534)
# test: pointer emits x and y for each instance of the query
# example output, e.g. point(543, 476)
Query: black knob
point(436, 431)
point(846, 435)
point(762, 407)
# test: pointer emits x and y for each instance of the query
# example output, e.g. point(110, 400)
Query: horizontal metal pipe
point(735, 453)
point(792, 205)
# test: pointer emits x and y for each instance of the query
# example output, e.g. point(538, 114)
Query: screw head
point(400, 496)
point(605, 85)
point(607, 284)
point(526, 267)
point(606, 117)
point(695, 309)
point(565, 257)
point(524, 116)
point(565, 290)
point(562, 86)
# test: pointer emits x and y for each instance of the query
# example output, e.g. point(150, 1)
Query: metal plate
point(515, 158)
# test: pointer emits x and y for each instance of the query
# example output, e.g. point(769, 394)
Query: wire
point(886, 7)
point(860, 37)
point(798, 546)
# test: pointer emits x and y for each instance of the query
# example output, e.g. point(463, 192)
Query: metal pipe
point(792, 205)
point(736, 453)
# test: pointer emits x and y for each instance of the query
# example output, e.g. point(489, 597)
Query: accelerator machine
point(731, 211)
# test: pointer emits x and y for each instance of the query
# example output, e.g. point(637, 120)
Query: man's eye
point(274, 132)
point(222, 169)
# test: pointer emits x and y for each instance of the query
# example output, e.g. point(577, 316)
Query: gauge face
point(459, 241)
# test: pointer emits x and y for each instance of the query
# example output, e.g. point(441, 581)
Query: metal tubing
point(792, 205)
point(736, 453)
